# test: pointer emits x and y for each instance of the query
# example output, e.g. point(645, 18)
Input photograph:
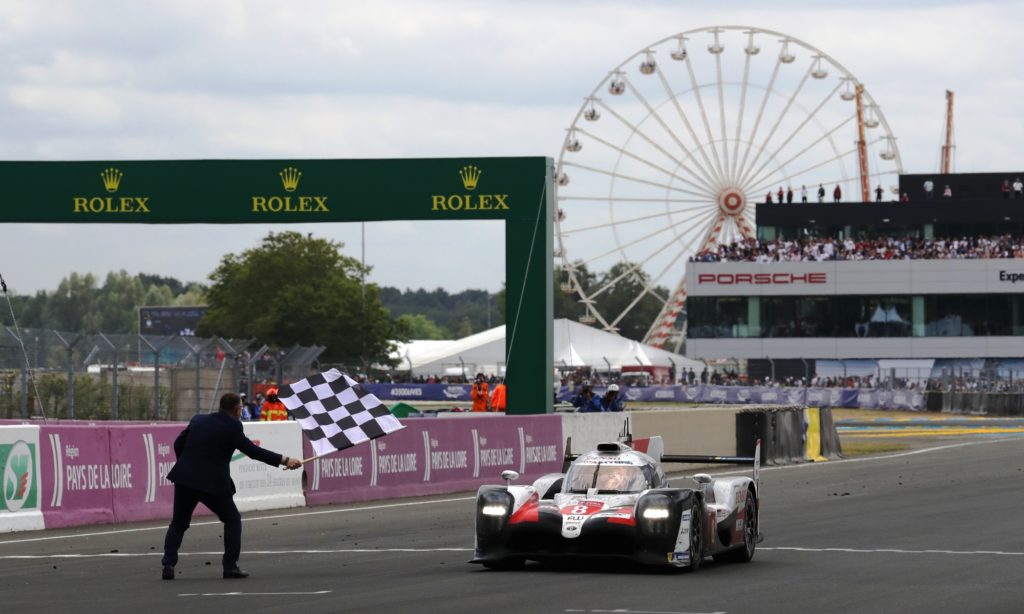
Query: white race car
point(616, 502)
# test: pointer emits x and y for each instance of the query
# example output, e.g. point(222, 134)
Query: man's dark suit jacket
point(204, 452)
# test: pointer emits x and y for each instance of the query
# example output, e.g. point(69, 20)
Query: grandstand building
point(965, 306)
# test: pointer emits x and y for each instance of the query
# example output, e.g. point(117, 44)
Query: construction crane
point(862, 148)
point(946, 165)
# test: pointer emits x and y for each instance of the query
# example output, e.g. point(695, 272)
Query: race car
point(616, 502)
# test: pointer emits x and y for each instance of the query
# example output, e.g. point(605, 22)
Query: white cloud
point(199, 79)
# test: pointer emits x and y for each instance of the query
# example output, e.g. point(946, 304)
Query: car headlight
point(655, 513)
point(494, 509)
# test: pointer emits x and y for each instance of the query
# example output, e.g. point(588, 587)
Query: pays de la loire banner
point(94, 474)
point(437, 455)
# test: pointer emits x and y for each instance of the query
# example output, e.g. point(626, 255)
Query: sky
point(117, 80)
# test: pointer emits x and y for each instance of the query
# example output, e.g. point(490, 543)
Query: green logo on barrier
point(18, 484)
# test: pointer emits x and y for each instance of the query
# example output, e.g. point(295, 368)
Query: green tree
point(420, 326)
point(158, 296)
point(117, 302)
point(71, 307)
point(625, 283)
point(298, 289)
point(500, 300)
point(464, 329)
point(194, 294)
point(444, 309)
point(567, 300)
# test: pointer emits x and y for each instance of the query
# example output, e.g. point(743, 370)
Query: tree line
point(297, 289)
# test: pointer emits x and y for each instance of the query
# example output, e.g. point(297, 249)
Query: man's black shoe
point(235, 574)
point(168, 572)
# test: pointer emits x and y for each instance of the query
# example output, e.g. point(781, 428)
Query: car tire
point(696, 536)
point(505, 564)
point(744, 553)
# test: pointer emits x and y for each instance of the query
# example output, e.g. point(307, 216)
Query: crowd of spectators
point(888, 248)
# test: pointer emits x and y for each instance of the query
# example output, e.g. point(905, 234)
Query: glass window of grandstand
point(979, 315)
point(874, 316)
point(796, 316)
point(711, 317)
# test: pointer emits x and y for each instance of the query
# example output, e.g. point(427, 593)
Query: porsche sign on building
point(856, 309)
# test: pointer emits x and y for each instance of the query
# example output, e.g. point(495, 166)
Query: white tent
point(575, 345)
point(579, 345)
point(482, 352)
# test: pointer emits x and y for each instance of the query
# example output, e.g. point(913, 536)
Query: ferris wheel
point(668, 154)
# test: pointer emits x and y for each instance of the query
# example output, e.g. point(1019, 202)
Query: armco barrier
point(20, 479)
point(432, 456)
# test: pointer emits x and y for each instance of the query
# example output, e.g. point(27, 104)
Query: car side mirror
point(508, 475)
point(702, 478)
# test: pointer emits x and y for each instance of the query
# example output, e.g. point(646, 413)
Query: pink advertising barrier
point(98, 474)
point(149, 451)
point(437, 455)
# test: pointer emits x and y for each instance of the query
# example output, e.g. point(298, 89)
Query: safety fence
point(49, 373)
point(74, 473)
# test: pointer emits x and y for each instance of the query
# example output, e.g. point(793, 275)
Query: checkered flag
point(336, 412)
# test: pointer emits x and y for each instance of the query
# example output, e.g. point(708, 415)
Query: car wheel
point(696, 536)
point(505, 564)
point(745, 553)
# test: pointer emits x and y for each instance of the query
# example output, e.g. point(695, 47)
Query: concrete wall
point(698, 430)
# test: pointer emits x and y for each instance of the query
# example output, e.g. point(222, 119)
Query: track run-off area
point(933, 529)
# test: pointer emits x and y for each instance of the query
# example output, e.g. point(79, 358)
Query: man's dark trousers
point(185, 500)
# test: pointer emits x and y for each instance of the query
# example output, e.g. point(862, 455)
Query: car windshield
point(607, 478)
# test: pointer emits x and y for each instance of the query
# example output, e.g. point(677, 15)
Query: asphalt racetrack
point(938, 529)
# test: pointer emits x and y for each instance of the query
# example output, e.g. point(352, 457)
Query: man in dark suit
point(201, 475)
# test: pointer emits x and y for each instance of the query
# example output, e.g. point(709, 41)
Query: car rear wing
point(754, 460)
